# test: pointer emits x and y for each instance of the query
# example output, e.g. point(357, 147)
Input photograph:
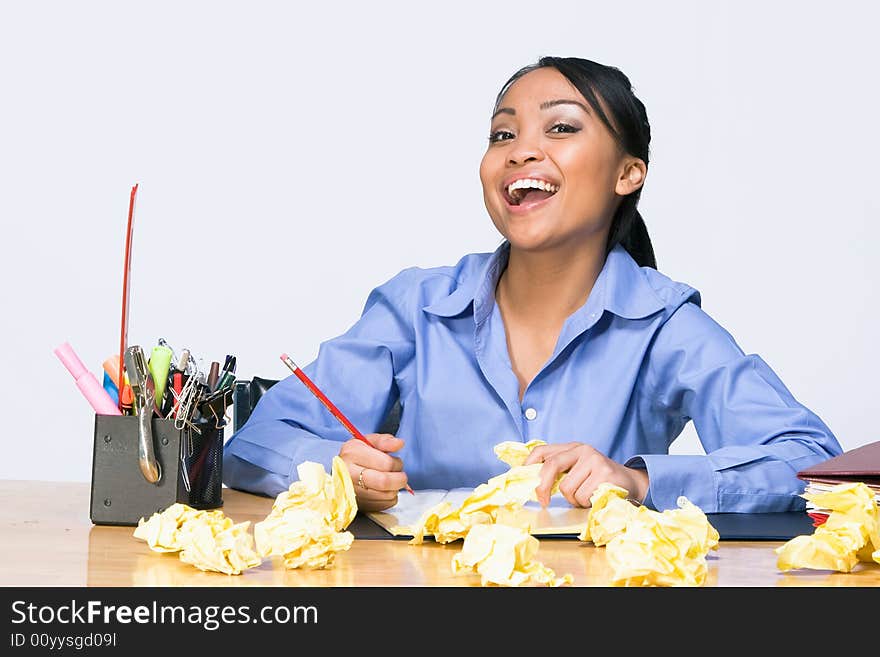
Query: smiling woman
point(565, 333)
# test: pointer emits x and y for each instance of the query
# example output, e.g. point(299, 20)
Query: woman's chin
point(532, 243)
point(531, 236)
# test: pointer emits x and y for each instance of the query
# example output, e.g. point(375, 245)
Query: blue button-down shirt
point(631, 367)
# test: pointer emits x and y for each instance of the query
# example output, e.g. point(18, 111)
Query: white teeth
point(529, 183)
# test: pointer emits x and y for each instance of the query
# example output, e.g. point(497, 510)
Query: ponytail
point(629, 230)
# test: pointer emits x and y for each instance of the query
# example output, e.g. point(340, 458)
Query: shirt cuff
point(638, 463)
point(671, 475)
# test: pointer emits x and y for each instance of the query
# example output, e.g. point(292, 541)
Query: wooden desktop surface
point(49, 540)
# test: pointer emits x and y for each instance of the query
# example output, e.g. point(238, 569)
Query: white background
point(291, 157)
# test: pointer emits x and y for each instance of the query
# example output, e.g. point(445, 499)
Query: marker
point(86, 382)
point(110, 387)
point(159, 366)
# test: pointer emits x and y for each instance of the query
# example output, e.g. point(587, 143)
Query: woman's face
point(545, 131)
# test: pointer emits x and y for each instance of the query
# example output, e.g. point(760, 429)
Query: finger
point(537, 455)
point(572, 482)
point(385, 442)
point(382, 482)
point(542, 452)
point(553, 466)
point(369, 495)
point(356, 452)
point(584, 492)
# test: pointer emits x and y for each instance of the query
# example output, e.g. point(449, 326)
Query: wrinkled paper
point(650, 548)
point(306, 526)
point(504, 493)
point(504, 556)
point(207, 540)
point(850, 534)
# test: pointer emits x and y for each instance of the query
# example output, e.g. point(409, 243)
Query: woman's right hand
point(377, 476)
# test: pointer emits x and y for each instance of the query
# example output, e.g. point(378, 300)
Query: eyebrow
point(547, 104)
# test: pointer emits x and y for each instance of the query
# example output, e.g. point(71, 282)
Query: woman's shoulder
point(673, 293)
point(686, 321)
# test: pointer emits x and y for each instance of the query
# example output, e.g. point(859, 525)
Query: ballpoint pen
point(329, 404)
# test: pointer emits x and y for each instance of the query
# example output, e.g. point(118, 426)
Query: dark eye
point(496, 136)
point(564, 127)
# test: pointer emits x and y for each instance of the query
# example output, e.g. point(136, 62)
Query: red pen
point(329, 404)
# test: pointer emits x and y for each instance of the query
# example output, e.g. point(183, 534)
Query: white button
point(531, 413)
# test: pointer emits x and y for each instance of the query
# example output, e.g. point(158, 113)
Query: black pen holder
point(190, 461)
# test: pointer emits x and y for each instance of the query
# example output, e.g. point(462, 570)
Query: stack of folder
point(857, 465)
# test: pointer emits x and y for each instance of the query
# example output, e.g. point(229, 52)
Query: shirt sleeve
point(756, 435)
point(355, 370)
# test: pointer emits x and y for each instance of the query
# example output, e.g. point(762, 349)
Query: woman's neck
point(548, 286)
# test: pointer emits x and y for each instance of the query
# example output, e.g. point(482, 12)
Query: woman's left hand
point(584, 468)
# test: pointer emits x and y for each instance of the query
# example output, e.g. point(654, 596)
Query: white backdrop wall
point(292, 157)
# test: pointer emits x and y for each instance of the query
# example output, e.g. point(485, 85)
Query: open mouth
point(525, 193)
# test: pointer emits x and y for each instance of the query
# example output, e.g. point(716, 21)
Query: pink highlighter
point(86, 382)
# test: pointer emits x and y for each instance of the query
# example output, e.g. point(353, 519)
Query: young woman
point(566, 333)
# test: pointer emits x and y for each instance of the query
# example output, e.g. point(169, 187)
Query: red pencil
point(329, 404)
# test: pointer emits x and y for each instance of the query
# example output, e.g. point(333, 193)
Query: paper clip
point(188, 401)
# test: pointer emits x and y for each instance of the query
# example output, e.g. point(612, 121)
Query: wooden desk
point(48, 540)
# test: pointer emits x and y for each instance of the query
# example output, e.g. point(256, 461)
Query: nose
point(525, 148)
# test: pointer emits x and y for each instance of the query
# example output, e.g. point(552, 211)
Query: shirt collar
point(481, 284)
point(621, 288)
point(627, 292)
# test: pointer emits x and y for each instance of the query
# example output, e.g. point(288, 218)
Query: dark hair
point(629, 126)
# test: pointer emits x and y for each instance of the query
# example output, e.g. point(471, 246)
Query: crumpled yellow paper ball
point(164, 532)
point(205, 539)
point(302, 538)
point(507, 491)
point(229, 550)
point(646, 547)
point(504, 556)
point(306, 524)
point(515, 453)
point(609, 513)
point(850, 534)
point(662, 548)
